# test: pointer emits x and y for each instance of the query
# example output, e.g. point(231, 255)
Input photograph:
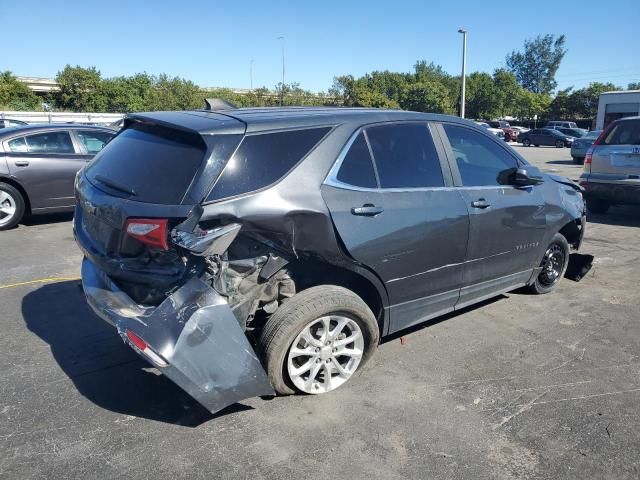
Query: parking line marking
point(40, 280)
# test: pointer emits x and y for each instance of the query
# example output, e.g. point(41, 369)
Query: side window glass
point(50, 142)
point(18, 145)
point(94, 141)
point(357, 166)
point(263, 159)
point(405, 156)
point(481, 160)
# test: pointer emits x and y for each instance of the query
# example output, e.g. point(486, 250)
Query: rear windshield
point(153, 164)
point(626, 132)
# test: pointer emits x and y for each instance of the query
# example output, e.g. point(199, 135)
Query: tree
point(536, 66)
point(79, 89)
point(481, 100)
point(633, 86)
point(530, 104)
point(175, 93)
point(506, 91)
point(427, 96)
point(125, 94)
point(15, 95)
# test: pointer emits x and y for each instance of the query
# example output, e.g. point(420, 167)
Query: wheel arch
point(20, 188)
point(308, 273)
point(573, 232)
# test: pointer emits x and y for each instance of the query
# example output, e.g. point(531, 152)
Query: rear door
point(391, 199)
point(507, 224)
point(617, 157)
point(45, 164)
point(545, 137)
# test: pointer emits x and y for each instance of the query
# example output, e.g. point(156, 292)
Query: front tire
point(578, 160)
point(559, 144)
point(554, 265)
point(12, 206)
point(317, 340)
point(526, 142)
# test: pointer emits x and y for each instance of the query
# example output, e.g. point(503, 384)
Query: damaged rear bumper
point(192, 337)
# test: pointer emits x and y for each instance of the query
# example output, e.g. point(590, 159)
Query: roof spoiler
point(218, 104)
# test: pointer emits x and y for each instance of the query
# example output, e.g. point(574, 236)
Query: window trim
point(457, 178)
point(332, 177)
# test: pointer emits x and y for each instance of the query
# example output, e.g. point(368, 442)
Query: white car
point(521, 129)
point(498, 132)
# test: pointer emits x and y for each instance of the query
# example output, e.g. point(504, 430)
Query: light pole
point(281, 38)
point(464, 69)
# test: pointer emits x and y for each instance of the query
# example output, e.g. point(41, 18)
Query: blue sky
point(212, 43)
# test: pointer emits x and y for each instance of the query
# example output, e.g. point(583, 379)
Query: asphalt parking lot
point(519, 387)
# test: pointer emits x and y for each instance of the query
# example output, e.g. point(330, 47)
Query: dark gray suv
point(259, 251)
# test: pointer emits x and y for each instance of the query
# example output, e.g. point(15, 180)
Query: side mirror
point(526, 176)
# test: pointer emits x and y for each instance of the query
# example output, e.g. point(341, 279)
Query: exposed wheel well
point(17, 186)
point(310, 273)
point(572, 231)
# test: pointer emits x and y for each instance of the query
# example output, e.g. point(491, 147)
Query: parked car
point(510, 134)
point(10, 122)
point(580, 145)
point(571, 132)
point(545, 136)
point(259, 251)
point(612, 166)
point(562, 124)
point(521, 129)
point(498, 132)
point(38, 164)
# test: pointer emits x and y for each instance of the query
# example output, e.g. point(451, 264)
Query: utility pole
point(251, 74)
point(464, 70)
point(281, 38)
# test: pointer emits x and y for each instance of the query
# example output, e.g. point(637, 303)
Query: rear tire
point(596, 205)
point(554, 265)
point(299, 323)
point(12, 206)
point(578, 160)
point(559, 144)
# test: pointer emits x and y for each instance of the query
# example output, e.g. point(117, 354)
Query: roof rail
point(218, 104)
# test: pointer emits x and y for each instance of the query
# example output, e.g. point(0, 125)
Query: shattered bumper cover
point(193, 338)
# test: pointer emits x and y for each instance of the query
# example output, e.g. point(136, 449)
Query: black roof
point(266, 118)
point(37, 127)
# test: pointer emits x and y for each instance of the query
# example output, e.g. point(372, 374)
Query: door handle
point(22, 163)
point(367, 210)
point(480, 203)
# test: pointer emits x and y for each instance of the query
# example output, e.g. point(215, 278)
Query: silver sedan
point(582, 144)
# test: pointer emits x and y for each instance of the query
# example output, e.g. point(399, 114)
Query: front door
point(507, 224)
point(45, 164)
point(397, 213)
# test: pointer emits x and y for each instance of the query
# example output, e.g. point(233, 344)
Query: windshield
point(593, 134)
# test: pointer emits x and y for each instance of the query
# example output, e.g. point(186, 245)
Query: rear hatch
point(616, 156)
point(143, 183)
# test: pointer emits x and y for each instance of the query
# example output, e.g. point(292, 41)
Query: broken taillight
point(150, 231)
point(145, 349)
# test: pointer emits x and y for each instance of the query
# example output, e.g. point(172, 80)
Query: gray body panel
point(426, 253)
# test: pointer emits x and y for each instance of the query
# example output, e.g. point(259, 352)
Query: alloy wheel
point(7, 208)
point(552, 265)
point(325, 354)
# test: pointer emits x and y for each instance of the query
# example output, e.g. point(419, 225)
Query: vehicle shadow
point(443, 318)
point(32, 220)
point(623, 216)
point(564, 162)
point(101, 366)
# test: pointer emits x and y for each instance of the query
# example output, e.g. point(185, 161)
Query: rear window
point(263, 159)
point(157, 164)
point(626, 132)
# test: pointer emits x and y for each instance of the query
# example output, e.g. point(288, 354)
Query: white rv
point(614, 105)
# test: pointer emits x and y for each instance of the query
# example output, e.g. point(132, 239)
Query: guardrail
point(62, 117)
